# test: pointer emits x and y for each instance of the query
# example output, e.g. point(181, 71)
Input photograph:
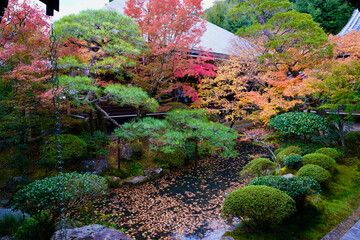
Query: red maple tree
point(171, 29)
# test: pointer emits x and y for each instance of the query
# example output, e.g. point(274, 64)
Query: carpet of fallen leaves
point(185, 204)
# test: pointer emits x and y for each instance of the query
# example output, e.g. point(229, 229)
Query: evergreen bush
point(288, 152)
point(299, 123)
point(331, 152)
point(295, 187)
point(259, 205)
point(72, 147)
point(315, 172)
point(321, 160)
point(293, 161)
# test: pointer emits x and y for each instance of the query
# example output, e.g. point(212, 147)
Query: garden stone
point(227, 238)
point(137, 180)
point(117, 180)
point(288, 175)
point(154, 174)
point(96, 166)
point(226, 194)
point(126, 152)
point(69, 224)
point(92, 232)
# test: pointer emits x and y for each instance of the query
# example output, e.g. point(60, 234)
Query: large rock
point(137, 180)
point(288, 175)
point(154, 174)
point(14, 182)
point(91, 232)
point(96, 166)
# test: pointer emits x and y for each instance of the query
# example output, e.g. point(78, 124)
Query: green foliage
point(306, 146)
point(73, 148)
point(321, 160)
point(331, 152)
point(331, 14)
point(136, 169)
point(43, 196)
point(96, 143)
point(9, 224)
point(259, 204)
point(173, 159)
point(114, 34)
point(221, 15)
point(258, 167)
point(352, 141)
point(35, 229)
point(293, 161)
point(20, 159)
point(315, 172)
point(180, 127)
point(296, 187)
point(298, 123)
point(288, 152)
point(141, 129)
point(137, 150)
point(133, 96)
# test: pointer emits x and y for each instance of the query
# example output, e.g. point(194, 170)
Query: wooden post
point(118, 154)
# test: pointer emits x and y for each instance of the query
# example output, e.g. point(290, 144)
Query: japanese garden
point(157, 119)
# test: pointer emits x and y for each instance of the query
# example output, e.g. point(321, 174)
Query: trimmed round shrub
point(331, 152)
point(321, 160)
point(259, 205)
point(44, 195)
point(72, 147)
point(293, 161)
point(258, 167)
point(298, 123)
point(295, 187)
point(315, 172)
point(291, 150)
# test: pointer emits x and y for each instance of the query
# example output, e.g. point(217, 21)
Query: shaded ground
point(185, 204)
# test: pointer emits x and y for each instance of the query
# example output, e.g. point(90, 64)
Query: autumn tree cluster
point(292, 65)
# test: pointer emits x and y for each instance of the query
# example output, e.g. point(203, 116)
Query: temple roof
point(353, 23)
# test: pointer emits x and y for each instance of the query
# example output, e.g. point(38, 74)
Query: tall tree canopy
point(103, 40)
point(221, 15)
point(331, 14)
point(24, 69)
point(171, 29)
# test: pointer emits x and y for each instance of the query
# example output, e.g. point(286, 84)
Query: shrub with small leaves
point(315, 172)
point(331, 152)
point(43, 196)
point(296, 187)
point(258, 167)
point(321, 160)
point(258, 205)
point(293, 161)
point(288, 152)
point(298, 123)
point(305, 146)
